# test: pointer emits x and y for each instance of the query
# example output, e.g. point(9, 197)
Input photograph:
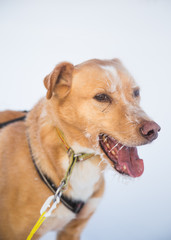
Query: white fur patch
point(113, 77)
point(111, 69)
point(84, 177)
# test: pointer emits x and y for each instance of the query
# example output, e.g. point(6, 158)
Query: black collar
point(73, 205)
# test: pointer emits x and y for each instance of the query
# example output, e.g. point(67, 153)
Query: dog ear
point(59, 80)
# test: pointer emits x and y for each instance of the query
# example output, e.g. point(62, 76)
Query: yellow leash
point(36, 226)
point(53, 200)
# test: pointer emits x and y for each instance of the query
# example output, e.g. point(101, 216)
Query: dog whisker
point(121, 147)
point(113, 147)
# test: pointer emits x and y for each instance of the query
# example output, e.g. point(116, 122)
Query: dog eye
point(102, 98)
point(136, 93)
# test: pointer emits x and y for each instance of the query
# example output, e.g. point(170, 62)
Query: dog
point(96, 107)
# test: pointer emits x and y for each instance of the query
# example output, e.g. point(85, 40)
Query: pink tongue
point(129, 162)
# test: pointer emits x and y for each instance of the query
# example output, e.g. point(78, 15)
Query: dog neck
point(50, 153)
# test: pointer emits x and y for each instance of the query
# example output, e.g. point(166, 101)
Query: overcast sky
point(36, 35)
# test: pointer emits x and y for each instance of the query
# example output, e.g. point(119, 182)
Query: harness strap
point(4, 124)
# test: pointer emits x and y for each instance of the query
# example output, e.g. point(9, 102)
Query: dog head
point(97, 106)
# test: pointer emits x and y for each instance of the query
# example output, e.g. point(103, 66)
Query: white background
point(36, 35)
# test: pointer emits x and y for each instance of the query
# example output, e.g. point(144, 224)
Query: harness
point(52, 201)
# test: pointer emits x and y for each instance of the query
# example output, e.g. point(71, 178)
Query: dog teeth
point(104, 139)
point(107, 145)
point(113, 152)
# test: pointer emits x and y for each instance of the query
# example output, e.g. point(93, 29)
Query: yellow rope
point(36, 226)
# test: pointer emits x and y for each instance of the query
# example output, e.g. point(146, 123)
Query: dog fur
point(69, 105)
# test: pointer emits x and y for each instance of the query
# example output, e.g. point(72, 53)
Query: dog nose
point(149, 130)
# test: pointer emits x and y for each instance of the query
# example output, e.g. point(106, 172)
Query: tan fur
point(70, 105)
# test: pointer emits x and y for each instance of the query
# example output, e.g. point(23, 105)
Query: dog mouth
point(125, 159)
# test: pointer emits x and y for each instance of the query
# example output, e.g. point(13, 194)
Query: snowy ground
point(36, 35)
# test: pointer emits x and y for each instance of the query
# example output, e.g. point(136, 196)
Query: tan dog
point(96, 106)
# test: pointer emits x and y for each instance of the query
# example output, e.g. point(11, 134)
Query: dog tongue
point(129, 162)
